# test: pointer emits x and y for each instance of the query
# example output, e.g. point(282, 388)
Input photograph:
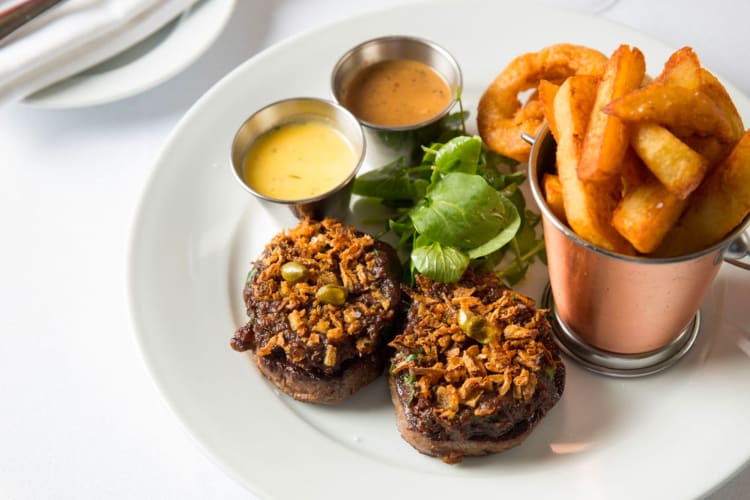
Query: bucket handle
point(738, 248)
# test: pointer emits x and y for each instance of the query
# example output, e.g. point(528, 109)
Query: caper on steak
point(475, 368)
point(320, 304)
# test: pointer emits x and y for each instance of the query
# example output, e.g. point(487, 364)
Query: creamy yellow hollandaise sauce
point(299, 160)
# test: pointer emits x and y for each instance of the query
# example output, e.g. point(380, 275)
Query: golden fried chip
point(713, 88)
point(646, 213)
point(682, 69)
point(606, 136)
point(709, 147)
point(588, 205)
point(634, 171)
point(677, 166)
point(719, 205)
point(553, 195)
point(680, 109)
point(547, 92)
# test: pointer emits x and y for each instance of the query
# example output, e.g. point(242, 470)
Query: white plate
point(673, 435)
point(144, 65)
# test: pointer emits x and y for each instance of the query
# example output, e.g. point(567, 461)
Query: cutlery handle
point(16, 16)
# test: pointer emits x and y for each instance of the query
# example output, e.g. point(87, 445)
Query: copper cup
point(628, 315)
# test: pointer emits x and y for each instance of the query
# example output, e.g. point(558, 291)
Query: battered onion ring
point(501, 118)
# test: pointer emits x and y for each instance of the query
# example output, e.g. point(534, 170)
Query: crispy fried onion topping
point(452, 369)
point(333, 254)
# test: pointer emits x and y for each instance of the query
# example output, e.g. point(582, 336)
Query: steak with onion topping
point(475, 369)
point(320, 300)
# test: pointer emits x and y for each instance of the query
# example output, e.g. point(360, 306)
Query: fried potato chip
point(647, 210)
point(606, 136)
point(572, 106)
point(588, 205)
point(547, 92)
point(683, 68)
point(716, 207)
point(634, 171)
point(553, 195)
point(709, 147)
point(646, 214)
point(672, 161)
point(677, 108)
point(658, 166)
point(713, 88)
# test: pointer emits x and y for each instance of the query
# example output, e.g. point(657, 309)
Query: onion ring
point(501, 118)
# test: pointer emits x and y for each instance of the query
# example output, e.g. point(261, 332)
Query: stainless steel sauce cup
point(397, 139)
point(622, 315)
point(388, 48)
point(332, 202)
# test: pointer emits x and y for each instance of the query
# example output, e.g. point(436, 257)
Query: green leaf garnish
point(440, 263)
point(456, 204)
point(393, 181)
point(463, 211)
point(460, 154)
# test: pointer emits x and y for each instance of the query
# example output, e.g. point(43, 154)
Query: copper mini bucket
point(621, 315)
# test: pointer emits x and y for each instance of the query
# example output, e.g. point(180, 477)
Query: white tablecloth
point(79, 416)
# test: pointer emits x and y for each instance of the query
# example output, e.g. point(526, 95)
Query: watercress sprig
point(459, 206)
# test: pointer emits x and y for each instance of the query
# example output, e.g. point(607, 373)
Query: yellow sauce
point(396, 93)
point(298, 161)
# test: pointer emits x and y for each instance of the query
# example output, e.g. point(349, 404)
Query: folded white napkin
point(73, 36)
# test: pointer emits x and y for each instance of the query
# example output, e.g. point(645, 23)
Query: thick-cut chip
point(588, 205)
point(572, 109)
point(712, 87)
point(575, 108)
point(680, 109)
point(717, 207)
point(646, 214)
point(709, 147)
point(634, 171)
point(607, 137)
point(683, 68)
point(553, 195)
point(547, 92)
point(677, 166)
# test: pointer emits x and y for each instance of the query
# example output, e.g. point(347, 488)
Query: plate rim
point(68, 97)
point(197, 108)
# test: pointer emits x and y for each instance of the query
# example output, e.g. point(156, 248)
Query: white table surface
point(79, 416)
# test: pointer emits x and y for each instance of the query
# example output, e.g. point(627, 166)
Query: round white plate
point(673, 435)
point(146, 64)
